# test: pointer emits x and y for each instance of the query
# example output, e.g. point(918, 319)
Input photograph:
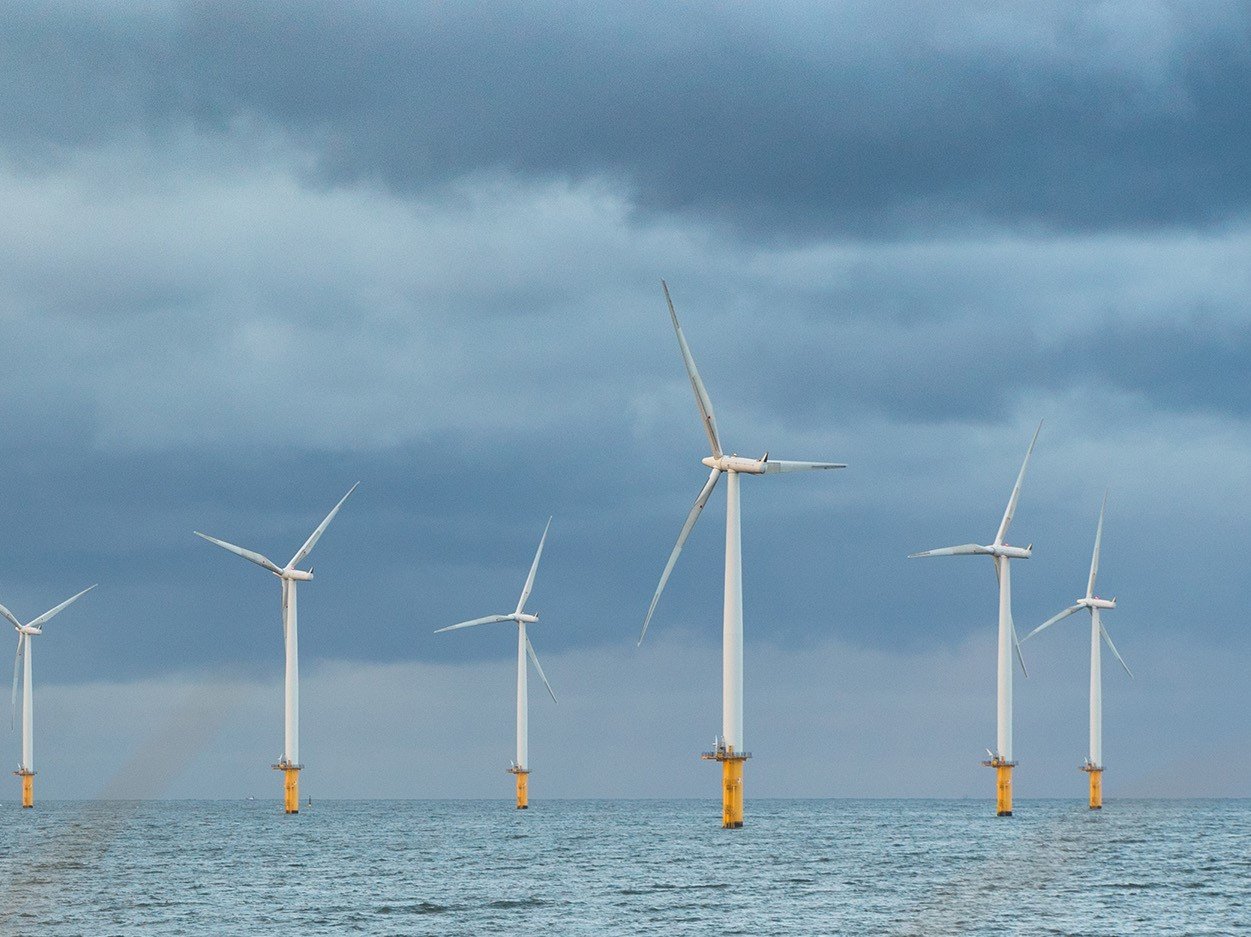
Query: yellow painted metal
point(1003, 788)
point(732, 793)
point(291, 789)
point(523, 790)
point(1096, 788)
point(28, 790)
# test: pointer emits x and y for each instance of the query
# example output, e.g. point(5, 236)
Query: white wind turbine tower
point(1003, 554)
point(729, 748)
point(290, 764)
point(1094, 761)
point(22, 665)
point(521, 766)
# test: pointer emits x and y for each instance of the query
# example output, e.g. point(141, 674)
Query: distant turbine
point(289, 765)
point(520, 767)
point(1001, 760)
point(26, 770)
point(1094, 760)
point(729, 748)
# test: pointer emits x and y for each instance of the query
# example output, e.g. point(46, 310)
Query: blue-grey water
point(610, 867)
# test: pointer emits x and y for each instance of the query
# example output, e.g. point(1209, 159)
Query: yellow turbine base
point(291, 789)
point(732, 793)
point(523, 790)
point(28, 790)
point(1003, 789)
point(1096, 788)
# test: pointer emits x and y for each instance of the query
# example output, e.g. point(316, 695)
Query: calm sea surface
point(608, 867)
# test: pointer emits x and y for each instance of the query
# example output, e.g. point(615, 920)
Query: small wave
point(665, 886)
point(422, 907)
point(517, 903)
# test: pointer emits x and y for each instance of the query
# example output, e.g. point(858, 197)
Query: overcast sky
point(253, 254)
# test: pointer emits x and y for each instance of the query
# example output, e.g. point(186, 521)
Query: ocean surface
point(635, 867)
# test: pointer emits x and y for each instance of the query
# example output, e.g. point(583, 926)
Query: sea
point(855, 867)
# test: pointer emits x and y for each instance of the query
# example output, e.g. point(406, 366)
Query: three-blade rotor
point(26, 631)
point(1090, 601)
point(719, 462)
point(999, 549)
point(289, 571)
point(519, 616)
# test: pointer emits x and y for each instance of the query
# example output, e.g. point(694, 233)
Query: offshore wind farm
point(253, 252)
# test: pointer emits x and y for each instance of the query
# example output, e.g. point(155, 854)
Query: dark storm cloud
point(789, 119)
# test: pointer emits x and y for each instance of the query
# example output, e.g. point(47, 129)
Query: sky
point(254, 254)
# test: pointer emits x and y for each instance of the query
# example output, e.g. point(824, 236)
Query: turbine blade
point(1094, 557)
point(965, 549)
point(534, 568)
point(782, 466)
point(701, 395)
point(17, 665)
point(321, 529)
point(1104, 631)
point(246, 554)
point(1016, 490)
point(534, 658)
point(489, 620)
point(10, 616)
point(1016, 643)
point(53, 611)
point(1053, 619)
point(691, 518)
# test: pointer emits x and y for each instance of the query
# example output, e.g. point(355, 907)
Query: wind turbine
point(521, 766)
point(729, 748)
point(290, 764)
point(1003, 554)
point(1094, 761)
point(26, 770)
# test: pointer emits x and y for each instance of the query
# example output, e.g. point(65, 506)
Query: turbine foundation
point(290, 785)
point(1003, 784)
point(1096, 785)
point(731, 784)
point(523, 786)
point(28, 787)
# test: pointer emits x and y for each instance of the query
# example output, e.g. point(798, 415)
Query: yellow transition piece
point(1096, 788)
point(291, 789)
point(732, 793)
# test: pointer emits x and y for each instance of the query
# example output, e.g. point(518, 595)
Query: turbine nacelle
point(736, 463)
point(1093, 601)
point(763, 465)
point(525, 619)
point(1010, 552)
point(25, 629)
point(297, 575)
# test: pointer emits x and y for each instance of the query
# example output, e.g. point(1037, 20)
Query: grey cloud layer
point(791, 120)
point(252, 257)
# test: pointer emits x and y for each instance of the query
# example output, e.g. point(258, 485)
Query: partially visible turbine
point(729, 749)
point(26, 769)
point(521, 766)
point(289, 764)
point(1003, 554)
point(1095, 605)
